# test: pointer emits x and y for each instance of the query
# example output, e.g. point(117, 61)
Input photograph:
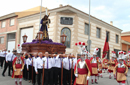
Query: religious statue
point(45, 25)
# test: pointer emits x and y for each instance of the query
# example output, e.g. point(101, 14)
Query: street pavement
point(102, 81)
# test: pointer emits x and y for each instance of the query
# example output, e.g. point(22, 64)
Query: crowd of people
point(62, 68)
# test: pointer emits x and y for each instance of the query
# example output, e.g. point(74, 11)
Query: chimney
point(111, 22)
point(60, 5)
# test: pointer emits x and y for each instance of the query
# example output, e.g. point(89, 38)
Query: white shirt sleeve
point(64, 62)
point(6, 57)
point(36, 65)
point(57, 57)
point(27, 63)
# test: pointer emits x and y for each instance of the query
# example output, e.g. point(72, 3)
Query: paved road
point(102, 81)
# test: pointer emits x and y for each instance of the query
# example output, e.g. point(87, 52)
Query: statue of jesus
point(44, 28)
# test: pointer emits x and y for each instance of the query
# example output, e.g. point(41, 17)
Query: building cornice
point(70, 8)
point(125, 34)
point(7, 16)
point(8, 32)
point(125, 42)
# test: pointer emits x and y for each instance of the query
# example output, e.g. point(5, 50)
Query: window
point(12, 22)
point(3, 23)
point(86, 32)
point(99, 53)
point(67, 32)
point(66, 20)
point(1, 40)
point(11, 36)
point(98, 33)
point(108, 34)
point(117, 38)
point(116, 50)
point(129, 49)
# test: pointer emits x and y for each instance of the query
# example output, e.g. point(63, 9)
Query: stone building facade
point(74, 23)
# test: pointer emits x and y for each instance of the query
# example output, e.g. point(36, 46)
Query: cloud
point(99, 8)
point(106, 10)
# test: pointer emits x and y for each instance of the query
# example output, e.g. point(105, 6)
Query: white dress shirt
point(74, 62)
point(34, 60)
point(57, 62)
point(49, 62)
point(4, 53)
point(67, 63)
point(28, 62)
point(38, 64)
point(10, 57)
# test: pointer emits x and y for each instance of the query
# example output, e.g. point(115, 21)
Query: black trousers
point(30, 73)
point(66, 76)
point(2, 61)
point(34, 76)
point(57, 75)
point(73, 77)
point(39, 76)
point(9, 64)
point(48, 76)
point(25, 72)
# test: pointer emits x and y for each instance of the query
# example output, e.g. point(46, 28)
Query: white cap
point(95, 51)
point(121, 55)
point(19, 49)
point(114, 54)
point(82, 47)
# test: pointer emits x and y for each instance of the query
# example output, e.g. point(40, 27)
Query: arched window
point(67, 32)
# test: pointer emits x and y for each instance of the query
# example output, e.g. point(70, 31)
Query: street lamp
point(63, 38)
point(40, 35)
point(25, 38)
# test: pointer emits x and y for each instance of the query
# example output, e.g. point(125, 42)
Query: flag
point(106, 47)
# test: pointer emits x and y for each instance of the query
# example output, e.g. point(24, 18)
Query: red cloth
point(106, 47)
point(121, 70)
point(110, 71)
point(17, 66)
point(121, 82)
point(94, 65)
point(83, 71)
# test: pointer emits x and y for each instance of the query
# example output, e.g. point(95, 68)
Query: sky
point(117, 11)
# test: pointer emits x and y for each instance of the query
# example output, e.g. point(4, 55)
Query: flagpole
point(89, 29)
point(40, 14)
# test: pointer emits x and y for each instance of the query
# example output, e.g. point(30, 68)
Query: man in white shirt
point(57, 69)
point(48, 72)
point(3, 55)
point(39, 67)
point(67, 63)
point(34, 73)
point(9, 58)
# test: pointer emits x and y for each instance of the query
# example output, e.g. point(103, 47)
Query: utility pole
point(89, 41)
point(40, 14)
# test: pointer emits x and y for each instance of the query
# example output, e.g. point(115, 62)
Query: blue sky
point(117, 11)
